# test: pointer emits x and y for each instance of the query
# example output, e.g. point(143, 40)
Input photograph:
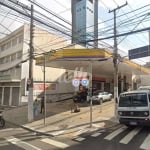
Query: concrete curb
point(36, 131)
point(47, 133)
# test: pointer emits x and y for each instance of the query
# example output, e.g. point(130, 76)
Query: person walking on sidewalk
point(42, 105)
point(35, 108)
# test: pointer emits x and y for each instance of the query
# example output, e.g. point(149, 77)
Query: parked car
point(146, 87)
point(99, 97)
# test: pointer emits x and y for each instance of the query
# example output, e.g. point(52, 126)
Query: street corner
point(75, 131)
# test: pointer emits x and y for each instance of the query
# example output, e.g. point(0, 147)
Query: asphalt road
point(121, 138)
point(116, 138)
point(20, 139)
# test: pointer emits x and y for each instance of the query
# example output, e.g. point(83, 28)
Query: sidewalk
point(60, 121)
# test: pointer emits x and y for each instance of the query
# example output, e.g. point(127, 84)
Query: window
point(3, 47)
point(20, 38)
point(149, 97)
point(133, 100)
point(7, 72)
point(14, 42)
point(79, 0)
point(3, 60)
point(8, 45)
point(13, 57)
point(19, 54)
point(2, 73)
point(12, 71)
point(7, 59)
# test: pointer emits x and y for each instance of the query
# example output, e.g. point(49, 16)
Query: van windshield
point(133, 100)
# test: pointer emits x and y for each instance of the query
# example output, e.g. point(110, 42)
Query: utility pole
point(96, 23)
point(30, 80)
point(115, 54)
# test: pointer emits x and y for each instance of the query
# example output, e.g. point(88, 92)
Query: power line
point(36, 19)
point(129, 20)
point(123, 34)
point(134, 27)
point(44, 8)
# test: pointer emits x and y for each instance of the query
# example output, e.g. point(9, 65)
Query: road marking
point(80, 139)
point(55, 143)
point(96, 134)
point(80, 131)
point(57, 133)
point(21, 144)
point(146, 144)
point(115, 133)
point(130, 135)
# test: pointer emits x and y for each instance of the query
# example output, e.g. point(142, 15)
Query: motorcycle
point(2, 121)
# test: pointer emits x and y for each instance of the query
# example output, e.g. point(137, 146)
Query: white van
point(133, 108)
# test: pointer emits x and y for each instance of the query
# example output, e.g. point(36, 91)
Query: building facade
point(14, 65)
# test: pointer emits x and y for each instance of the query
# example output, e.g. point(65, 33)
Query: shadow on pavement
point(18, 115)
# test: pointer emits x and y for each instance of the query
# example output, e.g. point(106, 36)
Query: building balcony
point(9, 65)
point(9, 78)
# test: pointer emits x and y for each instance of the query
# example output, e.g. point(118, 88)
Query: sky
point(127, 13)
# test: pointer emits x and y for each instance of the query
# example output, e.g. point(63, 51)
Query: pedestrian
point(42, 105)
point(35, 108)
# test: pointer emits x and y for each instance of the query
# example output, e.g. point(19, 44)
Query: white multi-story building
point(14, 65)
